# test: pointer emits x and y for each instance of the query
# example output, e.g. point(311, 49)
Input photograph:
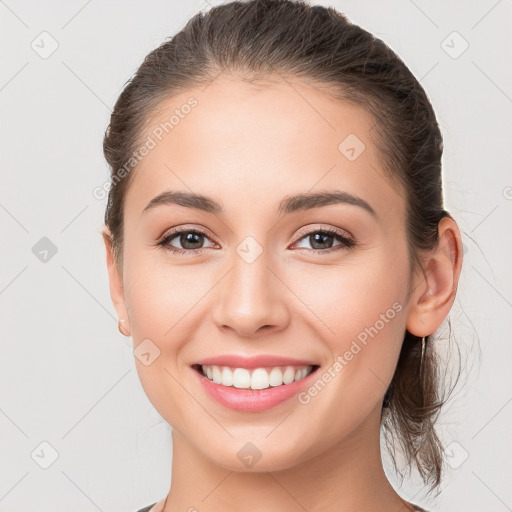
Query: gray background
point(67, 377)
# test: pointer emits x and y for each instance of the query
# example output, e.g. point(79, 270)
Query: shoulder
point(147, 509)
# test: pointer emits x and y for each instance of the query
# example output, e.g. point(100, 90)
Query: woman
point(278, 250)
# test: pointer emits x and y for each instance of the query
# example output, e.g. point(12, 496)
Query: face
point(320, 281)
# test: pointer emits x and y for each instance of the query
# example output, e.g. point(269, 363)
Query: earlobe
point(436, 287)
point(116, 285)
point(122, 329)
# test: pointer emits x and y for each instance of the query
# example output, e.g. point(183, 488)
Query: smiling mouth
point(254, 378)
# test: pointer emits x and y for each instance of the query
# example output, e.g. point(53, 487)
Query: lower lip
point(252, 400)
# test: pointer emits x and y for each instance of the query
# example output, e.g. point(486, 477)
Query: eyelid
point(176, 230)
point(346, 241)
point(164, 241)
point(315, 228)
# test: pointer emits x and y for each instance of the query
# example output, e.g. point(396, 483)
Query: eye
point(321, 240)
point(191, 241)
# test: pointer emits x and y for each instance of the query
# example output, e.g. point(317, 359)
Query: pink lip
point(253, 400)
point(260, 361)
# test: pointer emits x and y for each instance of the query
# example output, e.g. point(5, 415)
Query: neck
point(348, 476)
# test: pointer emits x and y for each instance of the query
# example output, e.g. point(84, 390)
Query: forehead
point(243, 143)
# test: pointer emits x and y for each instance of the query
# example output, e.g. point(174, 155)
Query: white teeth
point(275, 377)
point(216, 374)
point(227, 377)
point(289, 375)
point(241, 378)
point(259, 378)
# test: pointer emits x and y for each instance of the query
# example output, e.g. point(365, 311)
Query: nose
point(251, 299)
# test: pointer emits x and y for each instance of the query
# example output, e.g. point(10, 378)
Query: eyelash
point(346, 242)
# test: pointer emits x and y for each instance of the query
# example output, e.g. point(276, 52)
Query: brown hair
point(258, 38)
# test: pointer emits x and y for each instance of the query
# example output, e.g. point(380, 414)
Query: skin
point(248, 148)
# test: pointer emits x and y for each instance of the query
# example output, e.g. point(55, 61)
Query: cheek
point(359, 309)
point(165, 300)
point(158, 301)
point(163, 305)
point(350, 297)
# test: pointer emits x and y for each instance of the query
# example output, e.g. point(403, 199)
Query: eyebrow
point(290, 204)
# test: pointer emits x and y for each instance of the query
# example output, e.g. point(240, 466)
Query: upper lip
point(260, 361)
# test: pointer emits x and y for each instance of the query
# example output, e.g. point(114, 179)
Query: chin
point(256, 457)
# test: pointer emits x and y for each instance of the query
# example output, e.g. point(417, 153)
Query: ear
point(434, 289)
point(116, 285)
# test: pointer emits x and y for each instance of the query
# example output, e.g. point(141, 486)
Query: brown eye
point(191, 240)
point(323, 240)
point(188, 240)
